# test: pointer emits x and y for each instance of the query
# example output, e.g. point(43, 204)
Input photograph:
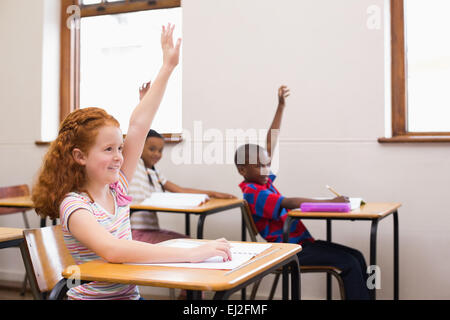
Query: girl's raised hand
point(171, 53)
point(219, 247)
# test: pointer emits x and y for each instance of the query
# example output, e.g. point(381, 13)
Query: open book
point(240, 253)
point(175, 200)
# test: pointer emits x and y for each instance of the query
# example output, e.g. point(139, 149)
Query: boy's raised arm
point(142, 116)
point(272, 134)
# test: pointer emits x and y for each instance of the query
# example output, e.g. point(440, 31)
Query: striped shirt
point(141, 189)
point(265, 204)
point(117, 224)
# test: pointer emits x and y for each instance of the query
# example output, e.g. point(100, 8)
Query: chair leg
point(27, 226)
point(274, 286)
point(24, 285)
point(171, 293)
point(255, 289)
point(340, 283)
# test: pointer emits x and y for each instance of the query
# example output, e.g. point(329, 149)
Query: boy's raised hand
point(171, 53)
point(283, 93)
point(143, 89)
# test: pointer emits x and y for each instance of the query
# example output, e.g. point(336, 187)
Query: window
point(114, 48)
point(420, 71)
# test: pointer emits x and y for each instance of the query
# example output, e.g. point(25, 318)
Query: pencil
point(331, 189)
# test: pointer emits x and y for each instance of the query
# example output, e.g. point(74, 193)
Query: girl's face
point(104, 159)
point(152, 152)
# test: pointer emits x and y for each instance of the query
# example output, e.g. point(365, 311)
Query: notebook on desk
point(175, 200)
point(355, 203)
point(240, 253)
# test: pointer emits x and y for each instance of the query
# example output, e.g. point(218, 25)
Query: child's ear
point(241, 170)
point(79, 156)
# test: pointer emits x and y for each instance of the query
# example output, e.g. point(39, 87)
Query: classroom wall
point(236, 54)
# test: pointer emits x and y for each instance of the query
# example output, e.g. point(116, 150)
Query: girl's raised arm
point(142, 116)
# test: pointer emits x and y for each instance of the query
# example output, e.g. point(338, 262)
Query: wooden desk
point(372, 212)
point(22, 202)
point(197, 280)
point(17, 202)
point(210, 207)
point(10, 237)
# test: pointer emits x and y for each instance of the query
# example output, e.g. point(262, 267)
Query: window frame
point(70, 48)
point(399, 102)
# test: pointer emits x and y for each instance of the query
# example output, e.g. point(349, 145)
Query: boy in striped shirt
point(269, 210)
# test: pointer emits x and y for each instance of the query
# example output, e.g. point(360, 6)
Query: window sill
point(171, 138)
point(415, 139)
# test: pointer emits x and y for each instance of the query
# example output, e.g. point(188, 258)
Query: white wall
point(236, 54)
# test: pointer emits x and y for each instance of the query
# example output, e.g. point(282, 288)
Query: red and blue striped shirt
point(269, 216)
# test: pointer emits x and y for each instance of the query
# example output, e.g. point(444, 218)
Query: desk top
point(210, 205)
point(183, 278)
point(8, 234)
point(371, 210)
point(22, 202)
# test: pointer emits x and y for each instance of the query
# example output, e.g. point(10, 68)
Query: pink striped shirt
point(117, 224)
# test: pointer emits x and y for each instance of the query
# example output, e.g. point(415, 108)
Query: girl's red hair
point(60, 174)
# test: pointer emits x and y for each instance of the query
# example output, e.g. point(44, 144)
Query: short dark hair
point(153, 134)
point(247, 154)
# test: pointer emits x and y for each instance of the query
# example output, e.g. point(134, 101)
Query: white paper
point(240, 253)
point(175, 200)
point(355, 203)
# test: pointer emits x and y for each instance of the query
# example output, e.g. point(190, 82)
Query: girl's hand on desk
point(219, 247)
point(220, 195)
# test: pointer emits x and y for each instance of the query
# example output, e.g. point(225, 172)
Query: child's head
point(153, 148)
point(74, 157)
point(253, 163)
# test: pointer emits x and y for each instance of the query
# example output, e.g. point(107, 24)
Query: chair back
point(14, 191)
point(45, 256)
point(249, 223)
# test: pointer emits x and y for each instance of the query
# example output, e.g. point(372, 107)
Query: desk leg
point(396, 262)
point(201, 222)
point(287, 229)
point(285, 275)
point(295, 279)
point(373, 251)
point(243, 229)
point(329, 284)
point(187, 224)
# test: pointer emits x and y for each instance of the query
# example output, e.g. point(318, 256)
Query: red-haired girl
point(84, 181)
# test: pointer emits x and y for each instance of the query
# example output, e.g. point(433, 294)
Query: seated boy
point(148, 179)
point(269, 209)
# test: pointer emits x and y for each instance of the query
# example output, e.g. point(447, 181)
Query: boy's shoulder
point(255, 187)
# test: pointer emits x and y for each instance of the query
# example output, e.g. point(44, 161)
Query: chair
point(253, 232)
point(16, 191)
point(45, 256)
